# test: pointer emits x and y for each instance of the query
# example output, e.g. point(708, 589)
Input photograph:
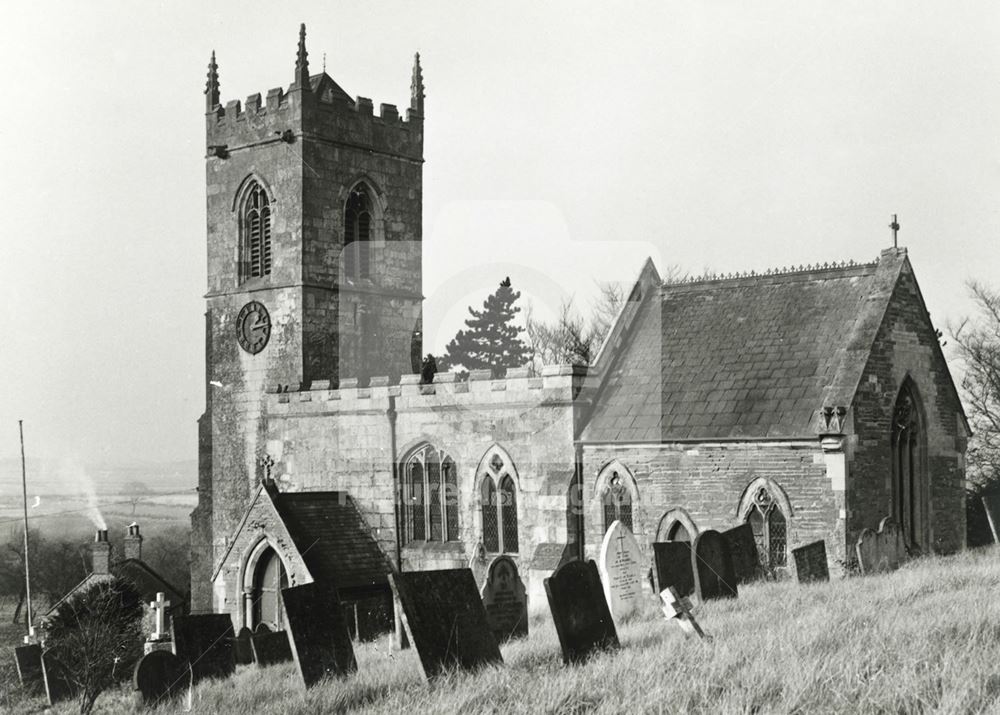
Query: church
point(810, 402)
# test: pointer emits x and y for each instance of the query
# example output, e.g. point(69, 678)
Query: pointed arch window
point(357, 233)
point(770, 528)
point(498, 504)
point(255, 233)
point(430, 490)
point(617, 502)
point(908, 490)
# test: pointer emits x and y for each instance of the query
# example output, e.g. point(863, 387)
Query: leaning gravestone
point(479, 564)
point(242, 647)
point(270, 648)
point(445, 620)
point(672, 567)
point(29, 667)
point(580, 611)
point(810, 562)
point(161, 676)
point(206, 641)
point(881, 551)
point(743, 549)
point(505, 600)
point(58, 686)
point(991, 503)
point(714, 575)
point(620, 567)
point(321, 645)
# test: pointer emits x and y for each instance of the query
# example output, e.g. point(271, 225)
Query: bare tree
point(977, 340)
point(96, 635)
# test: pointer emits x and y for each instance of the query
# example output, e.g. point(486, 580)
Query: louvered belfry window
point(255, 260)
point(498, 503)
point(357, 233)
point(430, 496)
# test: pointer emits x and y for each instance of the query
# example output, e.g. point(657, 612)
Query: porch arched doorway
point(909, 471)
point(268, 580)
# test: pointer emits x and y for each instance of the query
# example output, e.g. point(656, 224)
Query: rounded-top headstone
point(505, 599)
point(622, 571)
point(712, 564)
point(160, 676)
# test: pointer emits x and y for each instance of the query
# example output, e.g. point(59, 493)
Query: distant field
point(924, 639)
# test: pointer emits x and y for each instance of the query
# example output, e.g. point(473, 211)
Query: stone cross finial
point(160, 606)
point(895, 229)
point(681, 610)
point(266, 462)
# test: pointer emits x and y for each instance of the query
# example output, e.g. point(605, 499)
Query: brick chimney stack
point(100, 553)
point(133, 542)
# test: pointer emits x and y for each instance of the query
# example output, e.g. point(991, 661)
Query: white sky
point(564, 142)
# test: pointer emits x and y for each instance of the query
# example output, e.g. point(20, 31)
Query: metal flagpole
point(24, 494)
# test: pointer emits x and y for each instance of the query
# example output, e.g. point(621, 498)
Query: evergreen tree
point(491, 340)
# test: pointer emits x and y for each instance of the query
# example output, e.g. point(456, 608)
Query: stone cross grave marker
point(580, 611)
point(714, 575)
point(160, 676)
point(620, 567)
point(28, 659)
point(270, 648)
point(679, 609)
point(743, 549)
point(672, 566)
point(445, 620)
point(810, 562)
point(320, 643)
point(242, 647)
point(160, 606)
point(206, 641)
point(991, 503)
point(58, 686)
point(505, 600)
point(881, 551)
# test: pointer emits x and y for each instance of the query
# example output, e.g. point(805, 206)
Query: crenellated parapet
point(312, 107)
point(555, 386)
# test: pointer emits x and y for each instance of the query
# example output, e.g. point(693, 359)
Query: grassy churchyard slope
point(923, 639)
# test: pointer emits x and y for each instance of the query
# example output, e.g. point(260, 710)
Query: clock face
point(253, 327)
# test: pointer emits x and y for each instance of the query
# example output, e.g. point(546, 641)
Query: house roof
point(333, 539)
point(743, 357)
point(145, 579)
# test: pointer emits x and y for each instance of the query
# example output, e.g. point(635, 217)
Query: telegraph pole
point(24, 496)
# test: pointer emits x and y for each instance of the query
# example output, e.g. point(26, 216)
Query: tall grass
point(923, 639)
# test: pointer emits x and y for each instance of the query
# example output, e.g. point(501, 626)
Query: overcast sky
point(564, 142)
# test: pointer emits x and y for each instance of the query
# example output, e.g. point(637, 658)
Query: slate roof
point(333, 539)
point(145, 579)
point(746, 357)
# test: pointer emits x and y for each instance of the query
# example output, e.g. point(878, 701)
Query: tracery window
point(908, 483)
point(498, 504)
point(617, 501)
point(255, 233)
point(430, 496)
point(770, 528)
point(357, 233)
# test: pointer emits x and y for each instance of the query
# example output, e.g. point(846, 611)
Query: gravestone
point(810, 562)
point(445, 620)
point(743, 550)
point(991, 503)
point(206, 641)
point(881, 551)
point(320, 642)
point(672, 566)
point(29, 667)
point(620, 567)
point(242, 647)
point(678, 608)
point(270, 648)
point(161, 676)
point(505, 600)
point(580, 611)
point(479, 564)
point(57, 683)
point(714, 575)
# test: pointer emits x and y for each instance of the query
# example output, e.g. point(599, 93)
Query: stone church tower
point(314, 268)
